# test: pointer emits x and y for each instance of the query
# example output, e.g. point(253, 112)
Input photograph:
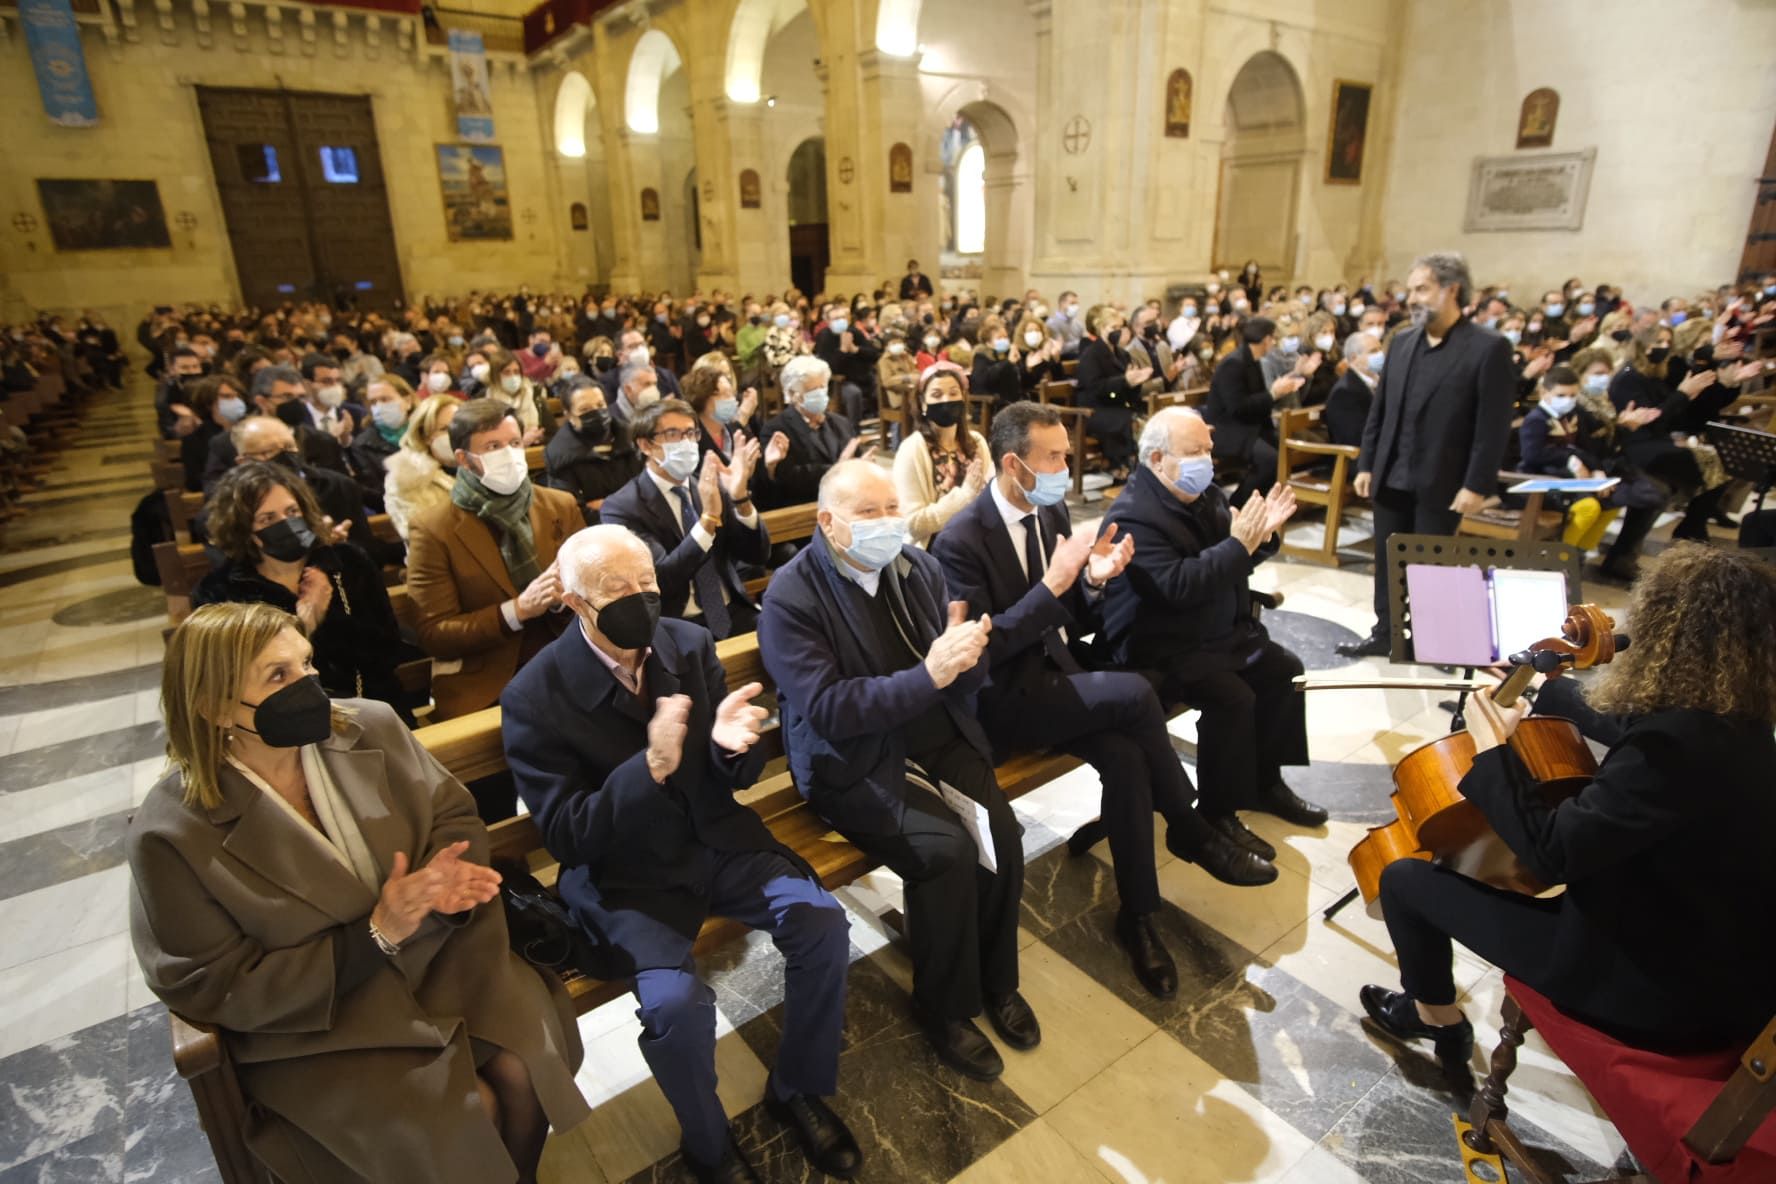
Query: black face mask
point(1151, 332)
point(1621, 335)
point(294, 715)
point(603, 362)
point(288, 541)
point(289, 460)
point(1658, 354)
point(629, 621)
point(594, 426)
point(944, 415)
point(342, 353)
point(756, 320)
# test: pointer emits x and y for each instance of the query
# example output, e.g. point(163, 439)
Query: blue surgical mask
point(781, 320)
point(540, 349)
point(1587, 308)
point(814, 402)
point(1375, 361)
point(388, 414)
point(1513, 335)
point(456, 340)
point(1338, 308)
point(1559, 406)
point(680, 459)
point(875, 542)
point(231, 409)
point(1597, 384)
point(1050, 488)
point(838, 324)
point(1290, 344)
point(1556, 307)
point(1194, 474)
point(1678, 318)
point(726, 409)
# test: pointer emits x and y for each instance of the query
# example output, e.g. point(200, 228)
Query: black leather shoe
point(1152, 964)
point(734, 1167)
point(963, 1047)
point(1012, 1018)
point(825, 1138)
point(1282, 801)
point(1221, 857)
point(1376, 645)
point(1395, 1013)
point(1229, 827)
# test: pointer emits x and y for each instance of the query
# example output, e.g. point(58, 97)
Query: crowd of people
point(944, 616)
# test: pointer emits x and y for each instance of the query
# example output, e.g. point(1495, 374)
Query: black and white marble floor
point(1259, 1069)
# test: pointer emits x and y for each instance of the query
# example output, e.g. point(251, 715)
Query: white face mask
point(1032, 339)
point(512, 383)
point(1324, 342)
point(639, 355)
point(932, 342)
point(438, 381)
point(481, 371)
point(331, 396)
point(441, 451)
point(897, 347)
point(646, 397)
point(503, 471)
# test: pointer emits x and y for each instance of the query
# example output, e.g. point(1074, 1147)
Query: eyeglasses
point(677, 435)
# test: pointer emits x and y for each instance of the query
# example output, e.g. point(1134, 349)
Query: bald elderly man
point(876, 671)
point(627, 747)
point(267, 438)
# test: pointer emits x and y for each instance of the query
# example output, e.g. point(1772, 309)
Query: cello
point(1435, 822)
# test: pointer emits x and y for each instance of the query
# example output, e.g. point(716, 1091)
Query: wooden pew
point(1499, 521)
point(1300, 460)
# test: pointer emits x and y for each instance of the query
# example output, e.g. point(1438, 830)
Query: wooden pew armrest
point(1315, 448)
point(197, 1047)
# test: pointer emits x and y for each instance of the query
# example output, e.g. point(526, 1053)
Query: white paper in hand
point(973, 817)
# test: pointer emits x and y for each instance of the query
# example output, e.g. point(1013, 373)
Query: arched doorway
point(978, 150)
point(809, 253)
point(1261, 161)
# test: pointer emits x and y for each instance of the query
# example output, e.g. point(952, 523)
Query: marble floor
point(1259, 1069)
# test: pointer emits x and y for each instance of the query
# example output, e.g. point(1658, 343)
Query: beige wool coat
point(233, 914)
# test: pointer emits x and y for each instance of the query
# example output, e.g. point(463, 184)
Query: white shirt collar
point(1010, 514)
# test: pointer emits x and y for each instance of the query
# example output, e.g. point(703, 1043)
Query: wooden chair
point(1301, 458)
point(1499, 521)
point(1698, 1119)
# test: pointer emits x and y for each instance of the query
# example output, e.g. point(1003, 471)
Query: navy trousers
point(761, 890)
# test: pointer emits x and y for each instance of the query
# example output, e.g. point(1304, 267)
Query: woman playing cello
point(1661, 935)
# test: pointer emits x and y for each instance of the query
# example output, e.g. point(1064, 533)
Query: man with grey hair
point(632, 350)
point(638, 387)
point(818, 437)
point(277, 393)
point(1184, 610)
point(1347, 404)
point(627, 747)
point(1438, 426)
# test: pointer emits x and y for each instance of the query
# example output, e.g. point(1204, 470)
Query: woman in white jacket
point(942, 464)
point(418, 475)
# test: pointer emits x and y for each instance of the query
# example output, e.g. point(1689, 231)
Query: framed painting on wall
point(650, 205)
point(1543, 192)
point(472, 179)
point(1349, 133)
point(103, 215)
point(1537, 117)
point(749, 189)
point(900, 169)
point(576, 216)
point(1177, 107)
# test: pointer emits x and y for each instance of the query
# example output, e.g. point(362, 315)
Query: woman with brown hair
point(1653, 377)
point(1037, 351)
point(308, 879)
point(942, 464)
point(219, 402)
point(1659, 937)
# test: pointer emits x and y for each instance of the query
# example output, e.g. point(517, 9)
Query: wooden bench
point(1499, 521)
point(1301, 458)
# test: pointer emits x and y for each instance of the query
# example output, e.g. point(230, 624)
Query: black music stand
point(1462, 551)
point(1746, 453)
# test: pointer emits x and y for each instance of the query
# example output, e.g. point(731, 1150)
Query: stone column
point(725, 133)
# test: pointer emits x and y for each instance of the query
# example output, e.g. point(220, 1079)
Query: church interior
point(1317, 200)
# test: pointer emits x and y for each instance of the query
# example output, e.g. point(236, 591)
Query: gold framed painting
point(1349, 132)
point(472, 180)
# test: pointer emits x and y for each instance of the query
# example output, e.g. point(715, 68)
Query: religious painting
point(473, 180)
point(1536, 118)
point(103, 215)
point(900, 169)
point(650, 205)
point(1542, 192)
point(1349, 134)
point(750, 196)
point(1178, 105)
point(576, 216)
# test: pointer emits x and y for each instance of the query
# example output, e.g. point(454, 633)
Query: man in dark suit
point(627, 748)
point(1347, 405)
point(1439, 424)
point(1012, 553)
point(850, 352)
point(697, 533)
point(915, 285)
point(1183, 609)
point(591, 456)
point(876, 673)
point(278, 393)
point(260, 437)
point(818, 438)
point(1239, 404)
point(633, 350)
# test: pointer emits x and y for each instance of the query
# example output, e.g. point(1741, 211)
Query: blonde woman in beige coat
point(311, 881)
point(942, 463)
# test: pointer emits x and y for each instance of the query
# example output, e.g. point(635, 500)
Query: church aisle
point(1258, 1070)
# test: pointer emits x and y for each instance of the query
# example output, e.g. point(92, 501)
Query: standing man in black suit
point(627, 748)
point(697, 535)
point(1239, 403)
point(1439, 424)
point(1347, 405)
point(1012, 553)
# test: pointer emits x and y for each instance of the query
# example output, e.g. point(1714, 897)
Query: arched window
point(572, 102)
point(964, 189)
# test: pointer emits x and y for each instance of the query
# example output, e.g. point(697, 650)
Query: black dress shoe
point(1396, 1014)
point(1012, 1018)
point(734, 1167)
point(963, 1047)
point(1148, 956)
point(1089, 835)
point(1377, 645)
point(825, 1138)
point(1229, 827)
point(1226, 860)
point(1282, 801)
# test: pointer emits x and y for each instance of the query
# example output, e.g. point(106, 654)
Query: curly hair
point(1704, 626)
point(236, 501)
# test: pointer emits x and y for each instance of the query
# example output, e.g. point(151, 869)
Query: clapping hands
point(1261, 517)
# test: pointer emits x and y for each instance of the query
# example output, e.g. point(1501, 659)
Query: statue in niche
point(650, 206)
point(576, 216)
point(1536, 118)
point(1178, 104)
point(900, 169)
point(749, 189)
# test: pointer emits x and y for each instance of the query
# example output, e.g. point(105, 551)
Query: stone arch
point(755, 21)
point(897, 27)
point(655, 56)
point(1263, 149)
point(1009, 199)
point(573, 104)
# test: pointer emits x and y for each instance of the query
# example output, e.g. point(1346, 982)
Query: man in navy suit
point(698, 533)
point(1183, 609)
point(627, 748)
point(876, 672)
point(1012, 552)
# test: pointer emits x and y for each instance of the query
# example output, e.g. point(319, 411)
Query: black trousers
point(961, 920)
point(1261, 470)
point(1254, 722)
point(1113, 721)
point(1114, 430)
point(1400, 512)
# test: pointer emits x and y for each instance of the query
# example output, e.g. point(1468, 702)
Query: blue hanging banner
point(468, 77)
point(54, 41)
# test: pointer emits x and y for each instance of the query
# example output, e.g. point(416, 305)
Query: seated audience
point(422, 471)
point(942, 463)
point(897, 373)
point(524, 398)
point(1038, 354)
point(1109, 382)
point(481, 567)
point(1240, 402)
point(1149, 350)
point(390, 402)
point(278, 393)
point(995, 369)
point(309, 879)
point(876, 672)
point(219, 402)
point(817, 437)
point(721, 414)
point(698, 534)
point(1653, 378)
point(261, 438)
point(171, 401)
point(633, 352)
point(591, 457)
point(324, 399)
point(1183, 610)
point(628, 748)
point(850, 352)
point(1347, 405)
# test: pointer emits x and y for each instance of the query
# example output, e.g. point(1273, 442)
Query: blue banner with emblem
point(54, 42)
point(468, 79)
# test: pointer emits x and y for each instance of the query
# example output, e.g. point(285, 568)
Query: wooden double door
point(302, 187)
